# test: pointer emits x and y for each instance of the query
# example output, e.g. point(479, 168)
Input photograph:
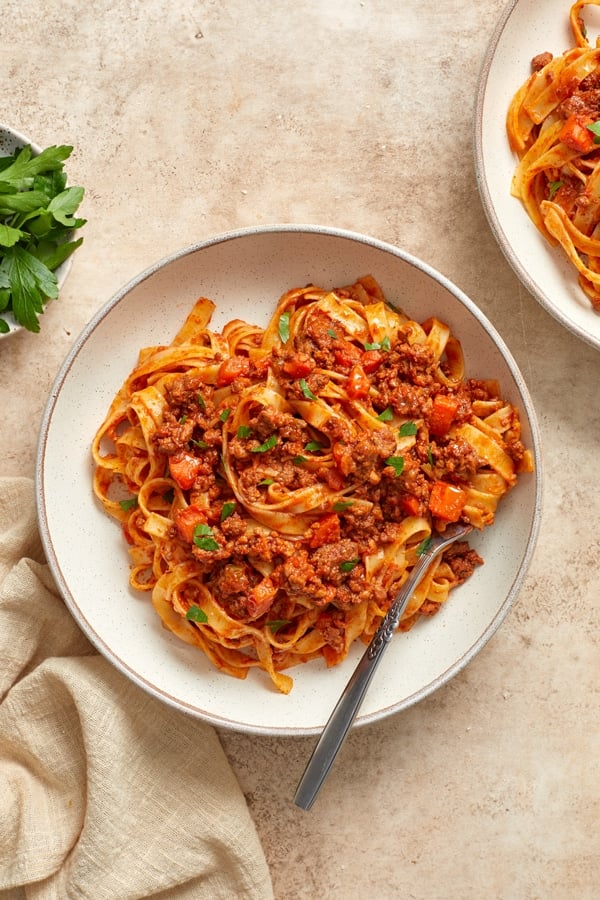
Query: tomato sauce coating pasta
point(553, 125)
point(276, 485)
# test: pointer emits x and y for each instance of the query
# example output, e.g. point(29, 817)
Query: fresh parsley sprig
point(37, 220)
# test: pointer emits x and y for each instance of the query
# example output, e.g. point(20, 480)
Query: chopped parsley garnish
point(430, 456)
point(386, 415)
point(423, 546)
point(332, 333)
point(379, 345)
point(227, 510)
point(313, 446)
point(284, 327)
point(306, 390)
point(298, 460)
point(201, 401)
point(268, 445)
point(595, 129)
point(348, 565)
point(201, 445)
point(169, 496)
point(553, 187)
point(397, 464)
point(407, 429)
point(341, 505)
point(203, 537)
point(265, 482)
point(225, 415)
point(276, 624)
point(183, 420)
point(128, 504)
point(244, 431)
point(195, 614)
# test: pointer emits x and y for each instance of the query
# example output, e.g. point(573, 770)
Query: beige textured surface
point(194, 118)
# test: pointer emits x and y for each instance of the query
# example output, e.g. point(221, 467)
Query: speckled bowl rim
point(47, 537)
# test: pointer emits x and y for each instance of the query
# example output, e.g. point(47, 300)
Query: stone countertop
point(196, 118)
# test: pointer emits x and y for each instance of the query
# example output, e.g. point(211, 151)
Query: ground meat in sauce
point(331, 575)
point(542, 59)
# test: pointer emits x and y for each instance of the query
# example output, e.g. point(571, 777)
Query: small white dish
point(245, 273)
point(525, 29)
point(11, 140)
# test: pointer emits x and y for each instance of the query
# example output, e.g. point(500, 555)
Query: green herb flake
point(244, 431)
point(423, 546)
point(203, 537)
point(397, 463)
point(430, 459)
point(306, 390)
point(595, 129)
point(227, 510)
point(374, 346)
point(276, 624)
point(553, 187)
point(225, 415)
point(313, 447)
point(183, 420)
point(407, 429)
point(128, 504)
point(265, 482)
point(284, 327)
point(385, 344)
point(268, 445)
point(386, 415)
point(298, 460)
point(348, 565)
point(332, 333)
point(201, 445)
point(195, 614)
point(342, 505)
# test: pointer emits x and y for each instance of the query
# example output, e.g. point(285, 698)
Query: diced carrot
point(298, 366)
point(261, 597)
point(371, 360)
point(232, 368)
point(576, 135)
point(442, 414)
point(357, 385)
point(184, 467)
point(326, 531)
point(411, 505)
point(346, 354)
point(446, 501)
point(186, 521)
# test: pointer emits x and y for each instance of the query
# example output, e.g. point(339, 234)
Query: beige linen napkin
point(105, 792)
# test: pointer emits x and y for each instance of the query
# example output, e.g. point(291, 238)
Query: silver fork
point(345, 711)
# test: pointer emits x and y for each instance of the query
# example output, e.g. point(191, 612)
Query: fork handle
point(346, 709)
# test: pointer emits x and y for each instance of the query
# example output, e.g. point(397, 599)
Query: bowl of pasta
point(537, 154)
point(263, 432)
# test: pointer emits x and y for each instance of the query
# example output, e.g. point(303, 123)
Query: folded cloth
point(105, 792)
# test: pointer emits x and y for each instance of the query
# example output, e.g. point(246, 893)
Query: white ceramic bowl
point(525, 28)
point(11, 140)
point(245, 273)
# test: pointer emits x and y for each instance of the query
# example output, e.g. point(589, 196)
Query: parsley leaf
point(284, 327)
point(227, 510)
point(306, 390)
point(397, 463)
point(244, 431)
point(128, 504)
point(313, 446)
point(268, 445)
point(423, 546)
point(407, 429)
point(348, 565)
point(594, 128)
point(195, 614)
point(387, 415)
point(341, 505)
point(203, 537)
point(276, 624)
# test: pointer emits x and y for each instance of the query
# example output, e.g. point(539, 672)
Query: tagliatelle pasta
point(276, 485)
point(553, 125)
